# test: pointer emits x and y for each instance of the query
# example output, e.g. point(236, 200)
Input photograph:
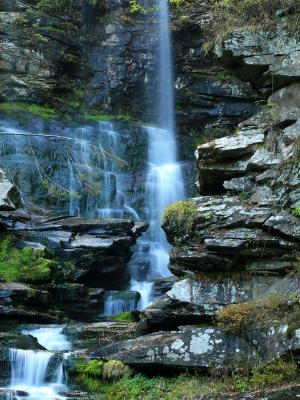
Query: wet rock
point(91, 336)
point(27, 342)
point(10, 198)
point(26, 315)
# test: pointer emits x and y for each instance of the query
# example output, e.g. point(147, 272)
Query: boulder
point(201, 348)
point(26, 342)
point(10, 198)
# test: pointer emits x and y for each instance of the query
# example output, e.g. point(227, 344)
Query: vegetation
point(115, 370)
point(276, 372)
point(229, 15)
point(296, 211)
point(26, 265)
point(274, 309)
point(43, 112)
point(126, 316)
point(180, 217)
point(106, 117)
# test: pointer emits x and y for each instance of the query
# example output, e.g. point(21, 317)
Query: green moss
point(296, 211)
point(26, 265)
point(126, 316)
point(93, 368)
point(274, 373)
point(106, 117)
point(43, 112)
point(179, 216)
point(262, 312)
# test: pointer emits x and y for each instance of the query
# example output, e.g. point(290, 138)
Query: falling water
point(106, 198)
point(164, 184)
point(31, 370)
point(117, 302)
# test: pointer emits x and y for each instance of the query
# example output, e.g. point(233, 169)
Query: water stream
point(164, 183)
point(38, 375)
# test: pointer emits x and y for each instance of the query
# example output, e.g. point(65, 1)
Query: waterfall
point(164, 183)
point(39, 374)
point(117, 302)
point(100, 181)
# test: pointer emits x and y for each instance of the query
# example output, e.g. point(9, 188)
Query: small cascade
point(39, 374)
point(96, 181)
point(117, 302)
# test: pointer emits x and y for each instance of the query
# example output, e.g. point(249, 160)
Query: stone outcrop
point(195, 302)
point(200, 348)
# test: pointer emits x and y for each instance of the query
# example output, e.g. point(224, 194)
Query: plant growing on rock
point(180, 217)
point(274, 373)
point(26, 265)
point(259, 313)
point(229, 15)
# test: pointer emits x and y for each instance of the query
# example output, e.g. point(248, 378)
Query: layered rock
point(200, 348)
point(196, 302)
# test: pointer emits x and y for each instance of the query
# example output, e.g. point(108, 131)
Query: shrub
point(115, 370)
point(179, 216)
point(229, 15)
point(276, 372)
point(237, 318)
point(26, 265)
point(296, 211)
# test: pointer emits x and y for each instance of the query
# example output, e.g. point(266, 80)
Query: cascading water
point(164, 184)
point(39, 374)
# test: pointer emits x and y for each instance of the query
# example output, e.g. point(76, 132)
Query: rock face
point(193, 301)
point(199, 348)
point(241, 229)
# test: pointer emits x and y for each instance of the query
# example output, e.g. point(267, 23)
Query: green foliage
point(43, 112)
point(244, 196)
point(180, 217)
point(26, 265)
point(157, 388)
point(126, 316)
point(274, 373)
point(135, 7)
point(115, 370)
point(296, 211)
point(261, 312)
point(106, 117)
point(93, 368)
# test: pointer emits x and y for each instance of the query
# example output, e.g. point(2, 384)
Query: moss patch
point(40, 111)
point(26, 265)
point(106, 117)
point(127, 317)
point(179, 216)
point(262, 312)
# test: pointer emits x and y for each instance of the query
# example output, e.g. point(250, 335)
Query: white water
point(164, 184)
point(30, 369)
point(118, 302)
point(106, 198)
